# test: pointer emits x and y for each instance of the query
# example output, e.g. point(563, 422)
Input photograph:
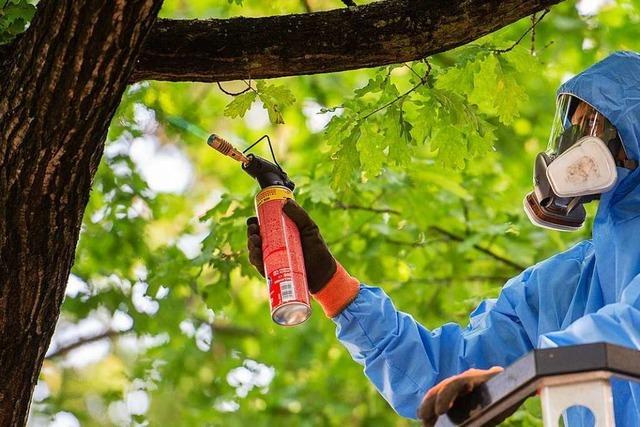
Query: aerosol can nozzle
point(265, 172)
point(284, 260)
point(225, 147)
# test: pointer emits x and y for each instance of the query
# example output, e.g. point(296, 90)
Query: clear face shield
point(581, 148)
point(579, 164)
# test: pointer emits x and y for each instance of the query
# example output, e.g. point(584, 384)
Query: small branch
point(482, 249)
point(349, 3)
point(533, 35)
point(535, 22)
point(439, 230)
point(343, 206)
point(218, 328)
point(418, 244)
point(61, 351)
point(247, 89)
point(451, 280)
point(306, 6)
point(356, 230)
point(423, 81)
point(465, 212)
point(415, 73)
point(232, 330)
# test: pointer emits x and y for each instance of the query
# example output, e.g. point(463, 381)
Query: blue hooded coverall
point(590, 293)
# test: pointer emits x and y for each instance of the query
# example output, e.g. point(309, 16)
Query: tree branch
point(437, 229)
point(218, 328)
point(482, 249)
point(231, 330)
point(453, 280)
point(306, 6)
point(423, 81)
point(344, 206)
point(380, 33)
point(534, 22)
point(61, 351)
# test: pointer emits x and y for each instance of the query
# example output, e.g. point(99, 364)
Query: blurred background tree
point(414, 172)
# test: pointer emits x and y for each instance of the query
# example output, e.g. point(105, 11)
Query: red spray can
point(281, 247)
point(282, 257)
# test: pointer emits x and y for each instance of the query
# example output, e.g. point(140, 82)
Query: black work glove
point(319, 264)
point(441, 397)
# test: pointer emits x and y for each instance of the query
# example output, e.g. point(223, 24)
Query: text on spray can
point(283, 258)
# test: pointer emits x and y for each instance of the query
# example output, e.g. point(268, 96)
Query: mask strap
point(573, 203)
point(593, 125)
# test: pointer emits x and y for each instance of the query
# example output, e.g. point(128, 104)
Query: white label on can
point(286, 290)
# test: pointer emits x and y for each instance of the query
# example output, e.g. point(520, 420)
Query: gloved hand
point(441, 397)
point(318, 261)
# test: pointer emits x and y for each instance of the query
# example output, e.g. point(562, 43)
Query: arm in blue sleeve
point(403, 359)
point(617, 323)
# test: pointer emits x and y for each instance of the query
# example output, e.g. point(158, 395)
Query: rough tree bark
point(58, 92)
point(60, 84)
point(384, 32)
point(380, 33)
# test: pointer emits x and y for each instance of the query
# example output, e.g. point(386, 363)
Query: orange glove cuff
point(338, 293)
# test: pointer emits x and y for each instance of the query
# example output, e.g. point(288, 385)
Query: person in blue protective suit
point(589, 293)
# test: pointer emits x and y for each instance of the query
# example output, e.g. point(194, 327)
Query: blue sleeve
point(617, 323)
point(403, 359)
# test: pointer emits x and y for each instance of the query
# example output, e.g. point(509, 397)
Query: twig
point(482, 249)
point(533, 35)
point(343, 206)
point(218, 328)
point(451, 280)
point(434, 297)
point(83, 341)
point(306, 6)
point(356, 230)
point(423, 81)
point(228, 328)
point(531, 28)
point(349, 3)
point(413, 71)
point(440, 230)
point(417, 244)
point(465, 212)
point(247, 89)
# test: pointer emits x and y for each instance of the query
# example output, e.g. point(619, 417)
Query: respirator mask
point(578, 165)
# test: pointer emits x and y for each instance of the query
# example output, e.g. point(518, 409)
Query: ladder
point(563, 377)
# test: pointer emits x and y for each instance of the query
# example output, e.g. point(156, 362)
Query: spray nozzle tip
point(225, 147)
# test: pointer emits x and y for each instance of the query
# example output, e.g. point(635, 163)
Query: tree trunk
point(59, 90)
point(60, 84)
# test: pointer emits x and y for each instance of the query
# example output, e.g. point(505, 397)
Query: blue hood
point(612, 86)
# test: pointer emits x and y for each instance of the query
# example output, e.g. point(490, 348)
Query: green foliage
point(275, 99)
point(496, 90)
point(240, 104)
point(446, 108)
point(408, 152)
point(14, 17)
